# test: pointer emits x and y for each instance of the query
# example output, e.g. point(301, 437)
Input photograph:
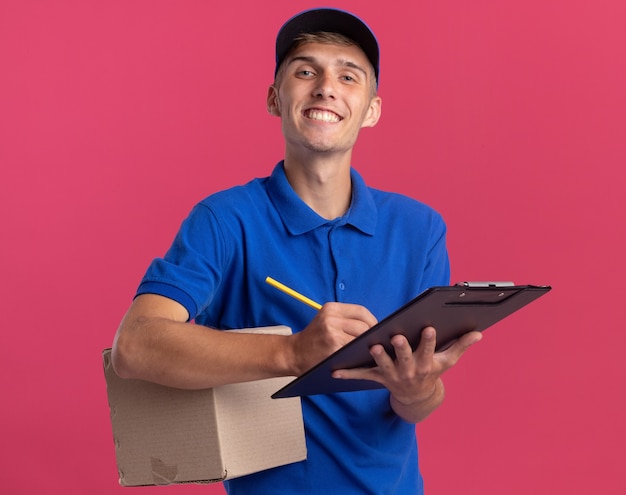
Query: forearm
point(420, 410)
point(184, 355)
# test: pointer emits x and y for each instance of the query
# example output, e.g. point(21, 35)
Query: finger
point(382, 359)
point(359, 374)
point(471, 338)
point(404, 352)
point(466, 341)
point(348, 310)
point(358, 313)
point(384, 366)
point(354, 328)
point(428, 342)
point(352, 319)
point(462, 344)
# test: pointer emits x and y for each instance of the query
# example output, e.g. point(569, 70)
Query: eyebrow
point(340, 62)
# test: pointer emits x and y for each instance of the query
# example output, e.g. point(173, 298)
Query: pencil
point(293, 293)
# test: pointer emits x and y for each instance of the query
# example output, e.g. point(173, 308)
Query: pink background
point(508, 117)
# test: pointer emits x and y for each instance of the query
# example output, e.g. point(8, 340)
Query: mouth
point(322, 115)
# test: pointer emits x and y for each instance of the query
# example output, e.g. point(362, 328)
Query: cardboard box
point(164, 435)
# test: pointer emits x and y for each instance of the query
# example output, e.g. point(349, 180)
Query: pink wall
point(508, 117)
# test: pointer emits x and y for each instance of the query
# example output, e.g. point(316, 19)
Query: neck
point(323, 183)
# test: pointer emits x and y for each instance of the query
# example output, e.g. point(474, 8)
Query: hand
point(334, 326)
point(413, 379)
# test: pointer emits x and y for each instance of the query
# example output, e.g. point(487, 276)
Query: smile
point(322, 115)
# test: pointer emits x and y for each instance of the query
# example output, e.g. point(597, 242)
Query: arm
point(155, 343)
point(414, 378)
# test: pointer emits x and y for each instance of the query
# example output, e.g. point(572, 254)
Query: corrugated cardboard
point(164, 435)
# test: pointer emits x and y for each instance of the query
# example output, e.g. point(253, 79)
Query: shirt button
point(342, 286)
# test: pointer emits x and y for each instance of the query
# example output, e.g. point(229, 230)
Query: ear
point(373, 112)
point(273, 107)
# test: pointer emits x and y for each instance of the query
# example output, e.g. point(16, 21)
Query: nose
point(325, 87)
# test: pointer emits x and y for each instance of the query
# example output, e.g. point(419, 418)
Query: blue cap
point(331, 21)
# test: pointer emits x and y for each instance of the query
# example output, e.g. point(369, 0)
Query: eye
point(349, 78)
point(305, 73)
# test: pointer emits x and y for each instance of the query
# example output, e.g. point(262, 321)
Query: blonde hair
point(323, 38)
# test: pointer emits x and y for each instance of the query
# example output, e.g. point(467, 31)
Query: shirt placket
point(337, 248)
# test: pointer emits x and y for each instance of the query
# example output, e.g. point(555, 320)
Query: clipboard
point(452, 310)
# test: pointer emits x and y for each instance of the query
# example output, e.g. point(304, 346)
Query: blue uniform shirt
point(383, 252)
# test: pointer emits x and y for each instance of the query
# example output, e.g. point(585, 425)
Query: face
point(324, 97)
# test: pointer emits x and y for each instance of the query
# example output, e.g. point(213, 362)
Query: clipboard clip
point(486, 284)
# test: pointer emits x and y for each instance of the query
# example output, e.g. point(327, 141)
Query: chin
point(320, 147)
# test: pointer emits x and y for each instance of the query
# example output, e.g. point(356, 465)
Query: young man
point(315, 226)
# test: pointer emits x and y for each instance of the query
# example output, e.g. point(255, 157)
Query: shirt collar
point(299, 218)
